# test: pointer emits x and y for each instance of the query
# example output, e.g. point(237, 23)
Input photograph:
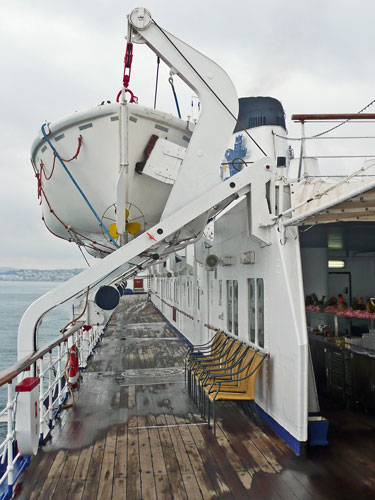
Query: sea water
point(15, 298)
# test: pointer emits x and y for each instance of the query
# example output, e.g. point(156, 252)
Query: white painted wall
point(282, 384)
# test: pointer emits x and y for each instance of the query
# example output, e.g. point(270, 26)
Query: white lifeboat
point(80, 195)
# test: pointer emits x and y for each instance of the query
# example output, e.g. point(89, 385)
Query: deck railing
point(51, 364)
point(336, 121)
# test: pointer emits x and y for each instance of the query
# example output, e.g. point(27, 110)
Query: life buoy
point(73, 367)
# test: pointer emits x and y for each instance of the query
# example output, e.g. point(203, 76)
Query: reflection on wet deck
point(133, 433)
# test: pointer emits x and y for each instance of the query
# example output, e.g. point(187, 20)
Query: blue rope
point(175, 97)
point(77, 186)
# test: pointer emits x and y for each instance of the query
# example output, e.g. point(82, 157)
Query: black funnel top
point(259, 111)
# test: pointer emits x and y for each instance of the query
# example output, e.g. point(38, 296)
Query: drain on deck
point(146, 376)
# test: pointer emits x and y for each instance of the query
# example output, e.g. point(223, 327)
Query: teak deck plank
point(143, 439)
point(178, 444)
point(50, 483)
point(171, 464)
point(203, 481)
point(133, 483)
point(121, 458)
point(63, 485)
point(208, 459)
point(77, 484)
point(163, 491)
point(226, 470)
point(39, 476)
point(108, 464)
point(93, 475)
point(156, 447)
point(146, 461)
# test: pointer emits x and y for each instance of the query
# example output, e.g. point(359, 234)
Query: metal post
point(10, 437)
point(336, 320)
point(41, 407)
point(59, 376)
point(50, 393)
point(302, 153)
point(66, 356)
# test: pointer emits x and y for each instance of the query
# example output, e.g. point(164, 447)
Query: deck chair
point(239, 369)
point(213, 351)
point(233, 389)
point(218, 356)
point(209, 347)
point(224, 368)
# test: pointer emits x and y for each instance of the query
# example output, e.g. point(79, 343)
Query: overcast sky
point(58, 57)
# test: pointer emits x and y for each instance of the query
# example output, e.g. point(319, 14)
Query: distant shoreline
point(51, 275)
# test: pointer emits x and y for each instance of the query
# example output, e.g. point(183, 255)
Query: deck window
point(189, 293)
point(260, 311)
point(256, 311)
point(252, 310)
point(232, 306)
point(235, 307)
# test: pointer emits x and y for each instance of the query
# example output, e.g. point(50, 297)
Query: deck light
point(336, 264)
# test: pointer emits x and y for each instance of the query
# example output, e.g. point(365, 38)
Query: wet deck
point(133, 433)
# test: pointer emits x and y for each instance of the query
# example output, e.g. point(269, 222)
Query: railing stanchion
point(50, 392)
point(41, 406)
point(10, 436)
point(59, 376)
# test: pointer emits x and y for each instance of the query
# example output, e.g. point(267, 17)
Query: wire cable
point(210, 88)
point(83, 255)
point(326, 131)
point(157, 79)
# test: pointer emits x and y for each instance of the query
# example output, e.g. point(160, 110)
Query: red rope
point(72, 230)
point(43, 170)
point(77, 152)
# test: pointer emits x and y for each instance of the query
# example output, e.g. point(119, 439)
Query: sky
point(315, 56)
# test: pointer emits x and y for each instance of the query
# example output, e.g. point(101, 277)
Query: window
point(235, 307)
point(229, 305)
point(220, 292)
point(232, 306)
point(256, 311)
point(260, 313)
point(189, 293)
point(252, 310)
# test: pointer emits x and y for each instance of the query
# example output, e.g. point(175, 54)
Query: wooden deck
point(133, 433)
